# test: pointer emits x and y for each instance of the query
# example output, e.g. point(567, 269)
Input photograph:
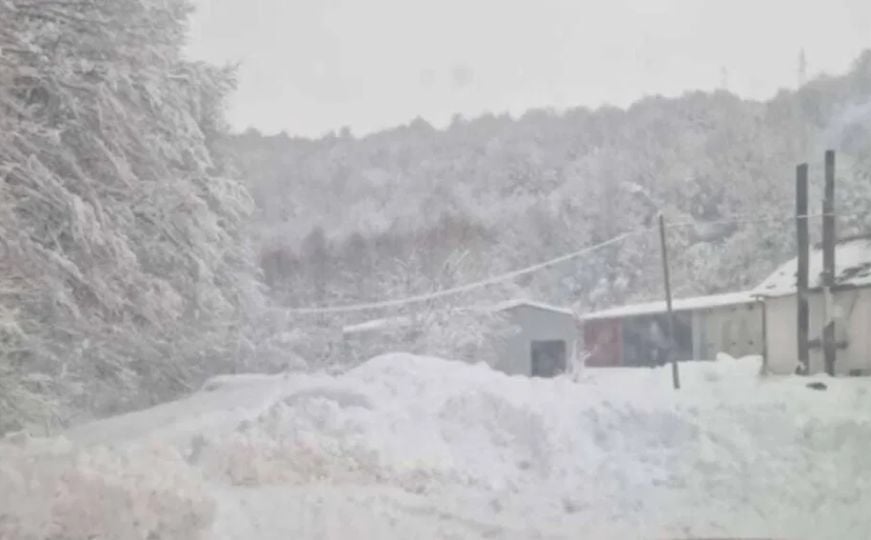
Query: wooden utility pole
point(675, 374)
point(801, 228)
point(829, 345)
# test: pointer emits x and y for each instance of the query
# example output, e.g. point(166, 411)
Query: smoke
point(850, 130)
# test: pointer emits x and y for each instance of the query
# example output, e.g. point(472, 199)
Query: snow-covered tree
point(126, 272)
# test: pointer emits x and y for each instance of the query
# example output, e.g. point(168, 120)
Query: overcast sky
point(311, 66)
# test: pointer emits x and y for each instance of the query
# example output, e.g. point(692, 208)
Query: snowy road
point(411, 447)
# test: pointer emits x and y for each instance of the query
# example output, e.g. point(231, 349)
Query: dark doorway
point(548, 358)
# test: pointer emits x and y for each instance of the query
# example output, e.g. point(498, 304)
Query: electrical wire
point(501, 278)
point(510, 276)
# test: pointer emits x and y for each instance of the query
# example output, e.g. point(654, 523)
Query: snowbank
point(407, 446)
point(49, 489)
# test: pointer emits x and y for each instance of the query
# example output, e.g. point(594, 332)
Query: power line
point(739, 220)
point(509, 276)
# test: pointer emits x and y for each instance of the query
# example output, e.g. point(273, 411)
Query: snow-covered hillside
point(413, 447)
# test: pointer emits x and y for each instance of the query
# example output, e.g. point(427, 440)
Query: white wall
point(853, 323)
point(734, 330)
point(534, 324)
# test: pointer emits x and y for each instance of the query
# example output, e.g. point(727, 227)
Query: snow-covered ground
point(412, 447)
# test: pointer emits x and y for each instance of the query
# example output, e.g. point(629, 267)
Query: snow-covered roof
point(681, 304)
point(392, 323)
point(376, 325)
point(513, 304)
point(852, 269)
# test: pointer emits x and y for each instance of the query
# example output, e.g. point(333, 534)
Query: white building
point(634, 335)
point(851, 310)
point(544, 342)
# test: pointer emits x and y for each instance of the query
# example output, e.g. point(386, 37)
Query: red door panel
point(603, 342)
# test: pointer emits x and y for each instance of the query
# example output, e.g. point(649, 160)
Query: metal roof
point(513, 304)
point(680, 304)
point(852, 269)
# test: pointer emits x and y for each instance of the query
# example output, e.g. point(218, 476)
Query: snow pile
point(408, 446)
point(52, 490)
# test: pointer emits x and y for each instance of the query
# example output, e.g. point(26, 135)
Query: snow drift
point(410, 446)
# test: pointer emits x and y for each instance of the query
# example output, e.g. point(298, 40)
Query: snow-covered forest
point(143, 244)
point(344, 219)
point(127, 272)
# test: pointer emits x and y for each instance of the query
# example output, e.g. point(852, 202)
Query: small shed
point(851, 310)
point(541, 340)
point(544, 341)
point(636, 335)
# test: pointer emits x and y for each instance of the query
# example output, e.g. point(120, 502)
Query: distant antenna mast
point(802, 68)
